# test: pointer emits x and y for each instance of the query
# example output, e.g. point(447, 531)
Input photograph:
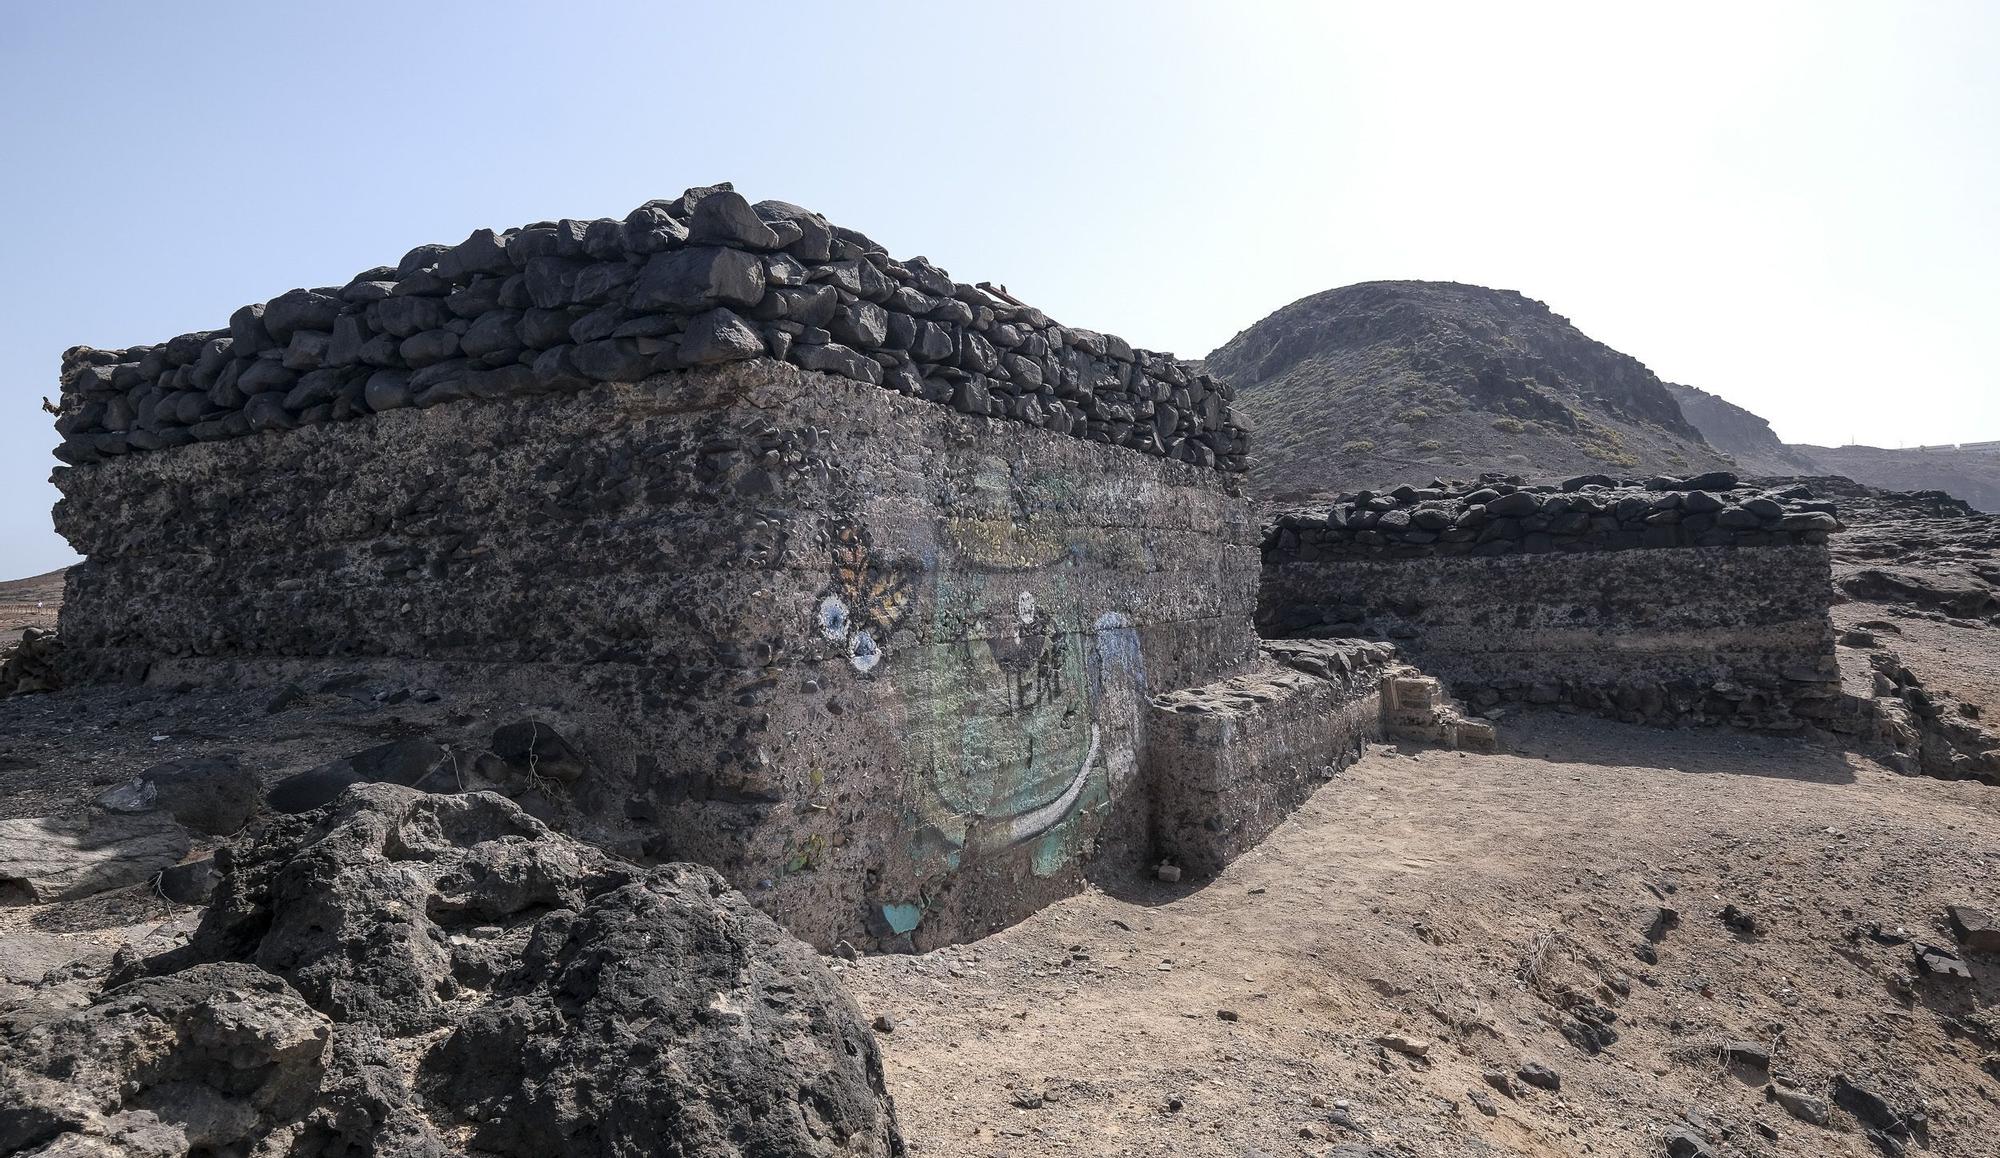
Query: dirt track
point(28, 603)
point(1460, 899)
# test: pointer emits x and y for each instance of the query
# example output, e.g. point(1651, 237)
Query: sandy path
point(1406, 898)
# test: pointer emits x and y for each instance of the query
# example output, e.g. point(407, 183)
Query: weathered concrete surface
point(884, 664)
point(1669, 636)
point(1228, 761)
point(55, 858)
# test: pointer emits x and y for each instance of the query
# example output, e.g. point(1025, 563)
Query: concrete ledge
point(1676, 636)
point(1226, 762)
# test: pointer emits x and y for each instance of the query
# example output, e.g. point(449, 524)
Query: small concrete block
point(1418, 694)
point(1477, 736)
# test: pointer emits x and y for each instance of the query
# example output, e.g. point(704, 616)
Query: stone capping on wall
point(696, 280)
point(1499, 515)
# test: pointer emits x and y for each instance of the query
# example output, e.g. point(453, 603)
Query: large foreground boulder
point(411, 974)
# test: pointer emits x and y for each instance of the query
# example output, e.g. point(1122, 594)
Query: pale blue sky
point(1792, 205)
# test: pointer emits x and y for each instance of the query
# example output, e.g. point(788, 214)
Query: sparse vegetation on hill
point(1457, 378)
point(1740, 434)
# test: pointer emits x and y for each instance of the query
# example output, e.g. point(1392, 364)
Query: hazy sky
point(1792, 205)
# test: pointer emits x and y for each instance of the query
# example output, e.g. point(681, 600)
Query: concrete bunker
point(902, 605)
point(855, 582)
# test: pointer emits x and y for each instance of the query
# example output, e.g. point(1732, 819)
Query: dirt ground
point(1363, 983)
point(1461, 902)
point(28, 603)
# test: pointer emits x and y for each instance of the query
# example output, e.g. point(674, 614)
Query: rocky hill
point(1970, 472)
point(1390, 380)
point(1740, 434)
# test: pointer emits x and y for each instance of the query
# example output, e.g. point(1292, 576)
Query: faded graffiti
point(1020, 700)
point(1026, 721)
point(864, 603)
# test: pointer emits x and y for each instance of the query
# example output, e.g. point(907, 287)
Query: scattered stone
point(1663, 920)
point(1887, 935)
point(1741, 920)
point(538, 750)
point(1747, 1053)
point(211, 794)
point(1170, 873)
point(883, 1023)
point(1226, 1014)
point(1588, 1027)
point(1539, 1075)
point(1482, 1103)
point(1868, 1106)
point(1938, 962)
point(1805, 1107)
point(61, 858)
point(1408, 1046)
point(1687, 1144)
point(289, 696)
point(29, 665)
point(414, 762)
point(1499, 1080)
point(1975, 929)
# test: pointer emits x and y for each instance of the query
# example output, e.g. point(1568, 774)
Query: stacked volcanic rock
point(1499, 515)
point(701, 279)
point(31, 664)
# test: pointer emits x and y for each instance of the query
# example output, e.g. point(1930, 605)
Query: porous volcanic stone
point(554, 1001)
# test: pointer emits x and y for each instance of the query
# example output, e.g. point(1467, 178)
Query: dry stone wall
point(1679, 601)
point(1500, 516)
point(1228, 761)
point(701, 279)
point(884, 663)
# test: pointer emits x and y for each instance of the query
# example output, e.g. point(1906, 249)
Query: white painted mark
point(863, 652)
point(1042, 819)
point(833, 617)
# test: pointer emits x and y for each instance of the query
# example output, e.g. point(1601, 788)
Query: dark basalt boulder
point(414, 974)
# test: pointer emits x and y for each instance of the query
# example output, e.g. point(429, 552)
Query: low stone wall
point(1665, 635)
point(884, 664)
point(1499, 516)
point(1225, 763)
point(696, 280)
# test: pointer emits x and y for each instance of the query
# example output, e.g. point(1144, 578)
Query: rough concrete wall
point(883, 663)
point(1668, 636)
point(1228, 761)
